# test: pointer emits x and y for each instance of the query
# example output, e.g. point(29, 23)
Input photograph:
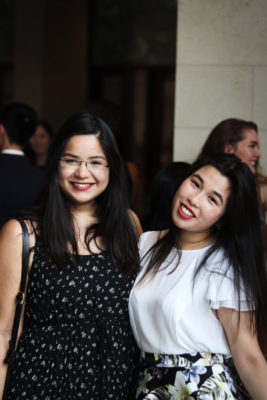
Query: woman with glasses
point(76, 341)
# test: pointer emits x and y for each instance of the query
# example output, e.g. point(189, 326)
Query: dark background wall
point(63, 56)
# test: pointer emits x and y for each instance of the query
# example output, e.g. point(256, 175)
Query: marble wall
point(221, 70)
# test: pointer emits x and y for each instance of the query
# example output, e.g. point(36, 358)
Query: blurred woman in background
point(38, 146)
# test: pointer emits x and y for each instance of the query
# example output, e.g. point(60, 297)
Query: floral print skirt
point(202, 376)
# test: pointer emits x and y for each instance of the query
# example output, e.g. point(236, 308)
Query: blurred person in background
point(21, 182)
point(240, 137)
point(38, 145)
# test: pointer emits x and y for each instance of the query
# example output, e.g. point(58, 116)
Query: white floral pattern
point(76, 341)
point(196, 376)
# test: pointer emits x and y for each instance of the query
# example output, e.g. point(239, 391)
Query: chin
point(253, 170)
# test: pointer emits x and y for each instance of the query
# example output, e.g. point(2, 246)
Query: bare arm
point(136, 223)
point(10, 273)
point(247, 356)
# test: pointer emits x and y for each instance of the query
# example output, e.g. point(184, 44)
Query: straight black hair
point(157, 212)
point(115, 225)
point(238, 233)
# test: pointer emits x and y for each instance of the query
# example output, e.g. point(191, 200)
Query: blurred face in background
point(40, 141)
point(247, 149)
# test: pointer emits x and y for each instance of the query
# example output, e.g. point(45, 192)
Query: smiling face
point(247, 149)
point(199, 203)
point(81, 185)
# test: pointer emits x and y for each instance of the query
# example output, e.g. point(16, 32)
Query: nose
point(194, 199)
point(257, 152)
point(82, 171)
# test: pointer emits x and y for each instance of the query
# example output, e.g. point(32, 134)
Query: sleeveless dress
point(76, 341)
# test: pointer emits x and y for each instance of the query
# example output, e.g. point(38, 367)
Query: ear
point(229, 149)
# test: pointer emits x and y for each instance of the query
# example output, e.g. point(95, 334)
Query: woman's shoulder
point(136, 222)
point(149, 238)
point(10, 249)
point(219, 264)
point(10, 230)
point(11, 233)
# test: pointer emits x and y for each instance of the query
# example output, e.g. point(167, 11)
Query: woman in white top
point(201, 295)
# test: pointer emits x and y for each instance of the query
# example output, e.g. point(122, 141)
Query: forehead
point(213, 180)
point(85, 145)
point(250, 135)
point(40, 130)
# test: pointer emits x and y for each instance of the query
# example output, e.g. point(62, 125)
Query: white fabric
point(13, 151)
point(169, 316)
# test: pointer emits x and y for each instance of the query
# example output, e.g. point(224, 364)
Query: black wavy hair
point(239, 235)
point(115, 225)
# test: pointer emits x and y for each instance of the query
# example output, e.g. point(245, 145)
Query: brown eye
point(195, 183)
point(212, 199)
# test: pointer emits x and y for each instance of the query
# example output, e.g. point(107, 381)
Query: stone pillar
point(221, 70)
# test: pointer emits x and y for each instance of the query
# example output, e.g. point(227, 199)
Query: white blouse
point(170, 316)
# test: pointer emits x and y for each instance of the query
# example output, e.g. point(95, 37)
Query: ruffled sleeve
point(146, 241)
point(221, 291)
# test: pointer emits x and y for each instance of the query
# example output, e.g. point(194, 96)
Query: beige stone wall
point(221, 70)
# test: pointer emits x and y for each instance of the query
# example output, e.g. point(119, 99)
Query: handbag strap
point(20, 298)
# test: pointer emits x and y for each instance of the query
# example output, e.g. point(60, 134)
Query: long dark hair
point(157, 212)
point(114, 226)
point(239, 235)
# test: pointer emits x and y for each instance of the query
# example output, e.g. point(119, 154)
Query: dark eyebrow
point(94, 157)
point(219, 195)
point(199, 177)
point(77, 157)
point(214, 191)
point(70, 155)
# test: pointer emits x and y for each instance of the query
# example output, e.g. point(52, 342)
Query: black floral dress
point(76, 341)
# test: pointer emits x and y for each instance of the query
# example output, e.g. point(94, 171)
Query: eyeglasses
point(93, 165)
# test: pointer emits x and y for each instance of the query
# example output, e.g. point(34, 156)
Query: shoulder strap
point(20, 298)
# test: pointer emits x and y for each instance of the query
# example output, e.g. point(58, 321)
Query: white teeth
point(186, 211)
point(81, 184)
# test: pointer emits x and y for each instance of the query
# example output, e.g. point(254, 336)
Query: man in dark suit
point(21, 182)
